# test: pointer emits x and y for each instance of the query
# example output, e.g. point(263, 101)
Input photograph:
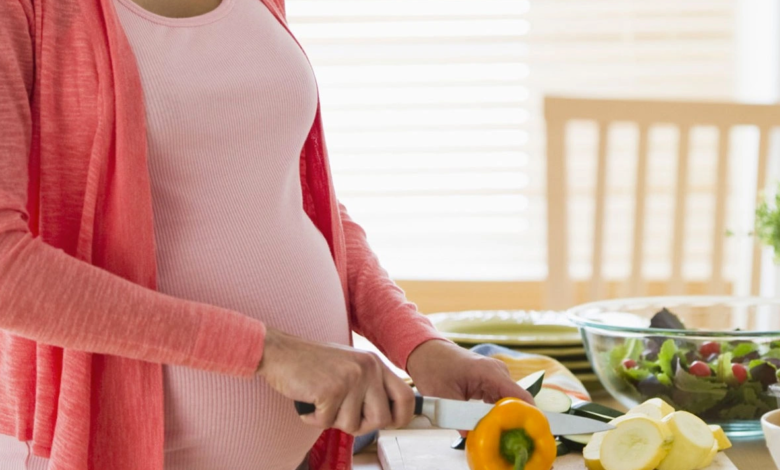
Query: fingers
point(325, 414)
point(376, 409)
point(366, 406)
point(347, 387)
point(350, 414)
point(321, 418)
point(508, 388)
point(402, 397)
point(501, 385)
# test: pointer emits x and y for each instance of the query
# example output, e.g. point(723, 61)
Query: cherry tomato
point(740, 372)
point(700, 369)
point(709, 348)
point(629, 363)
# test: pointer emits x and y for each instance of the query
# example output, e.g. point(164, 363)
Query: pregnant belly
point(219, 422)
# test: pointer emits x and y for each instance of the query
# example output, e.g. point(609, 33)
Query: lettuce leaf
point(666, 355)
point(746, 401)
point(743, 349)
point(772, 354)
point(697, 394)
point(636, 374)
point(630, 349)
point(665, 379)
point(724, 371)
point(739, 412)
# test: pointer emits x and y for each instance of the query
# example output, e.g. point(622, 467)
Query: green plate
point(562, 353)
point(584, 377)
point(509, 328)
point(576, 366)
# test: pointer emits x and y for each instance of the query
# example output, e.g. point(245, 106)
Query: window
point(426, 111)
point(434, 120)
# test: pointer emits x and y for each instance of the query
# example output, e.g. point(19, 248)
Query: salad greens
point(698, 394)
point(744, 349)
point(714, 380)
point(666, 356)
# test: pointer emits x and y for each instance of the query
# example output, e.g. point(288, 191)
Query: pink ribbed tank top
point(230, 99)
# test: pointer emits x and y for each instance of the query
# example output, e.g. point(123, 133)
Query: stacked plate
point(546, 333)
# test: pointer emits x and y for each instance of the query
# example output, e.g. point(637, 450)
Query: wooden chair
point(559, 111)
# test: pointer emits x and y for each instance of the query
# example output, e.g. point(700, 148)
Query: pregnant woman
point(175, 269)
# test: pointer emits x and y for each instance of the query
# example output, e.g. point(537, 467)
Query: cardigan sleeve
point(53, 298)
point(380, 309)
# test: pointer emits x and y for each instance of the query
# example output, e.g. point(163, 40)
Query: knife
point(464, 416)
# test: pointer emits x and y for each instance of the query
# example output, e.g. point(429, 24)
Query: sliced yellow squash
point(638, 442)
point(647, 409)
point(710, 457)
point(666, 408)
point(720, 436)
point(592, 452)
point(692, 442)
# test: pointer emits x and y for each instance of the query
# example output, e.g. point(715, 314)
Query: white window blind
point(432, 110)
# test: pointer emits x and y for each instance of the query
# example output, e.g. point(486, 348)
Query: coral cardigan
point(84, 331)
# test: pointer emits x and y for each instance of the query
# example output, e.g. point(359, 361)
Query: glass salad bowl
point(715, 357)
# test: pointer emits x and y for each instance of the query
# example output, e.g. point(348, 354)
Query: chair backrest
point(683, 115)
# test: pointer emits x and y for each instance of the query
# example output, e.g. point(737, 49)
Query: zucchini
point(595, 411)
point(532, 383)
point(459, 444)
point(552, 400)
point(562, 448)
point(577, 441)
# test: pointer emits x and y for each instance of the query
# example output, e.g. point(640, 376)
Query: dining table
point(745, 454)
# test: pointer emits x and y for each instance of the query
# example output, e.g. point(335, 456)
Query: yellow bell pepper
point(513, 436)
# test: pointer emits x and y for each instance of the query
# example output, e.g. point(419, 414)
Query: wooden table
point(746, 455)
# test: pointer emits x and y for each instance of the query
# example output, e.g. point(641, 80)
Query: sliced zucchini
point(552, 400)
point(595, 411)
point(532, 383)
point(592, 452)
point(637, 443)
point(562, 448)
point(459, 443)
point(692, 444)
point(577, 441)
point(720, 437)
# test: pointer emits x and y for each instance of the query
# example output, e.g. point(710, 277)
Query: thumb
point(505, 387)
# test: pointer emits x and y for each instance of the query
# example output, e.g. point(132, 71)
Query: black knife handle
point(309, 408)
point(418, 404)
point(304, 408)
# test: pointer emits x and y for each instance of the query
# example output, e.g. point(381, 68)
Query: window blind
point(432, 111)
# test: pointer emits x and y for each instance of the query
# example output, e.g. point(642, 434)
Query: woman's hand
point(445, 370)
point(351, 389)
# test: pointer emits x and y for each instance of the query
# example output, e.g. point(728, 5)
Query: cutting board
point(429, 449)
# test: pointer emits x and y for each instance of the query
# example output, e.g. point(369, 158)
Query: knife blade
point(464, 416)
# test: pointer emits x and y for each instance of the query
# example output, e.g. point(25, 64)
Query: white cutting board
point(429, 449)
